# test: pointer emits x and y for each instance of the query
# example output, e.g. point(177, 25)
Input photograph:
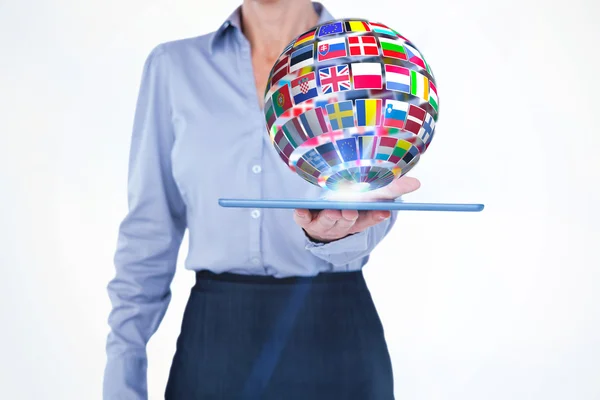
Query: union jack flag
point(334, 79)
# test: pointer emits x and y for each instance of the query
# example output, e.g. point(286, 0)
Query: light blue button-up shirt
point(199, 134)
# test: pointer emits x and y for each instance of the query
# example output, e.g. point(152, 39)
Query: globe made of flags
point(351, 104)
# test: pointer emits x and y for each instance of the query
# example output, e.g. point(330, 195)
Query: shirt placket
point(255, 150)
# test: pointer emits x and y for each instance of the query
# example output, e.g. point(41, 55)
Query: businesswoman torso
point(274, 313)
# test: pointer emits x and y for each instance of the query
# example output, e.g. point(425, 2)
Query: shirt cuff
point(125, 377)
point(354, 243)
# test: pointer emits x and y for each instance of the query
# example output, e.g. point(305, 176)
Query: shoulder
point(186, 45)
point(180, 50)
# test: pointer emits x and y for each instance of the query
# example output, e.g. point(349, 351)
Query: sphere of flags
point(351, 105)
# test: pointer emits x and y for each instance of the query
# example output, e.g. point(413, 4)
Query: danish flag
point(363, 45)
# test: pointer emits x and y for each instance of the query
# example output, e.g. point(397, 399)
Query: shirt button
point(256, 169)
point(255, 214)
point(255, 260)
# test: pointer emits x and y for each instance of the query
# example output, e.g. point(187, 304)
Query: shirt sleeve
point(353, 247)
point(148, 242)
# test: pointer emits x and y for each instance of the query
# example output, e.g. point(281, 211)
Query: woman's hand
point(329, 225)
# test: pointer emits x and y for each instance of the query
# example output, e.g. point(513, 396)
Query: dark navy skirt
point(252, 337)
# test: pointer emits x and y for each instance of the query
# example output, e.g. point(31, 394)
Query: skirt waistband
point(323, 277)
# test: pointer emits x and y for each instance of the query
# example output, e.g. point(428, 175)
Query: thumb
point(395, 189)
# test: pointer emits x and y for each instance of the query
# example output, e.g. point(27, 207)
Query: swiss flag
point(299, 109)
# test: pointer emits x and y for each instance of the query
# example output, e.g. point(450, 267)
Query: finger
point(303, 217)
point(324, 221)
point(347, 220)
point(314, 212)
point(406, 184)
point(370, 218)
point(350, 215)
point(401, 186)
point(395, 189)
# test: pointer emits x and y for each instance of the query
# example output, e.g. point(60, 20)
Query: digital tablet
point(348, 205)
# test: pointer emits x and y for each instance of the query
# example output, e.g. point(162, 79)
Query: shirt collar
point(233, 21)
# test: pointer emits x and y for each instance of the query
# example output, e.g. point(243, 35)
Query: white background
point(503, 304)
